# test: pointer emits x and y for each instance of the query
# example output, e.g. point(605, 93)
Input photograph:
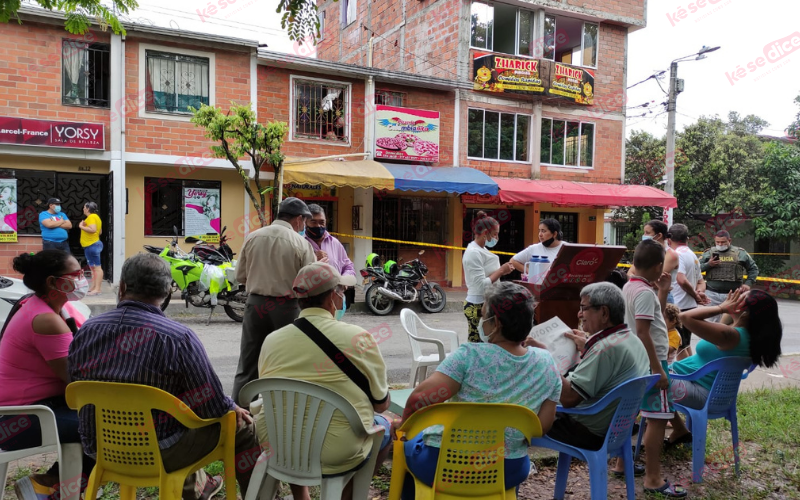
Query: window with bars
point(85, 73)
point(321, 111)
point(566, 143)
point(408, 219)
point(621, 231)
point(773, 246)
point(389, 98)
point(569, 224)
point(498, 136)
point(176, 81)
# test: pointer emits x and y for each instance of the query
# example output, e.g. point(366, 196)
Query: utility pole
point(675, 87)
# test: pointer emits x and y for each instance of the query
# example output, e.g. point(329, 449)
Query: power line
point(651, 77)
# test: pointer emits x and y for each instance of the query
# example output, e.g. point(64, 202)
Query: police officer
point(725, 267)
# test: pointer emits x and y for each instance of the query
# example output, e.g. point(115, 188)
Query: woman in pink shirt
point(33, 359)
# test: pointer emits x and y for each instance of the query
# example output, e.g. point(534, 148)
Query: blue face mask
point(340, 312)
point(57, 208)
point(303, 232)
point(646, 237)
point(491, 243)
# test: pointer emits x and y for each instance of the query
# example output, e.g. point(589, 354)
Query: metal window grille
point(176, 82)
point(85, 73)
point(390, 98)
point(420, 220)
point(621, 231)
point(320, 111)
point(569, 224)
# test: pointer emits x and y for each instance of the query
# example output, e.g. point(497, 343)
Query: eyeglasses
point(76, 275)
point(584, 308)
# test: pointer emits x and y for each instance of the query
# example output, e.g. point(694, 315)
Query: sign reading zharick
point(55, 134)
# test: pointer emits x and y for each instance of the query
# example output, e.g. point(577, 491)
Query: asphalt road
point(221, 337)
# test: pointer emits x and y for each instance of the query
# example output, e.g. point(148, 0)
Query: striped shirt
point(135, 343)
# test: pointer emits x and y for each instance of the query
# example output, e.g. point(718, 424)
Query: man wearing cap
point(54, 225)
point(270, 259)
point(326, 246)
point(290, 352)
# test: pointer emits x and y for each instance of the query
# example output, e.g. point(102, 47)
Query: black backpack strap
point(17, 305)
point(338, 357)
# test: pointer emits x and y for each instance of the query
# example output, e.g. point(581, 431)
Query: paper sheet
point(551, 334)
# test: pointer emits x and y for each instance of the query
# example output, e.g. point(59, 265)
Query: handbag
point(338, 357)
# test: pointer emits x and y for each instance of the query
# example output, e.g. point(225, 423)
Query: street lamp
point(675, 88)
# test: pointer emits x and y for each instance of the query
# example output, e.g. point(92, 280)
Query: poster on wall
point(8, 210)
point(507, 74)
point(406, 134)
point(201, 208)
point(572, 83)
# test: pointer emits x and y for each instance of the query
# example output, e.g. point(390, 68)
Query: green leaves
point(300, 19)
point(79, 13)
point(781, 217)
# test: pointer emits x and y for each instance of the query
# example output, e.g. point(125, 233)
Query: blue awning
point(441, 179)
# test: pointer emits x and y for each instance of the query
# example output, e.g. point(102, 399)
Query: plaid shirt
point(135, 343)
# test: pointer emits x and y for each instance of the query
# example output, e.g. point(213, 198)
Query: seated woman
point(498, 370)
point(33, 358)
point(756, 334)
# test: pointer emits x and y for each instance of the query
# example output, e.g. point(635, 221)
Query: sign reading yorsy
point(406, 134)
point(56, 134)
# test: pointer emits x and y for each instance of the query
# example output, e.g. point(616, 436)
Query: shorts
point(686, 335)
point(657, 403)
point(92, 253)
point(387, 439)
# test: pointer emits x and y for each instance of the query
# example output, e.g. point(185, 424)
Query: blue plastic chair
point(618, 439)
point(721, 403)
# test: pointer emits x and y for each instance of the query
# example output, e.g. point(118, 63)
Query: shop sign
point(572, 83)
point(8, 210)
point(310, 192)
point(507, 74)
point(480, 199)
point(406, 134)
point(56, 134)
point(202, 213)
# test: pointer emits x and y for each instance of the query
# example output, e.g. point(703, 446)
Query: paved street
point(221, 338)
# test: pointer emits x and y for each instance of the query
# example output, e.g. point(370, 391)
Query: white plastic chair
point(70, 456)
point(420, 362)
point(298, 414)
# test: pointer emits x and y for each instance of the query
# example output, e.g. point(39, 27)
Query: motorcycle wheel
point(376, 302)
point(172, 290)
point(433, 299)
point(235, 311)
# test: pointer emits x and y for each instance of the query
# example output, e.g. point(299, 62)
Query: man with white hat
point(301, 351)
point(268, 264)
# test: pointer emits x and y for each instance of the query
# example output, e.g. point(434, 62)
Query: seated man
point(290, 353)
point(611, 356)
point(135, 343)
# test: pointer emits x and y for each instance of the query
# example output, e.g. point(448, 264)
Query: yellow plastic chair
point(127, 446)
point(472, 454)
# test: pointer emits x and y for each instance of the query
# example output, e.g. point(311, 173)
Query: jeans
point(92, 253)
point(56, 245)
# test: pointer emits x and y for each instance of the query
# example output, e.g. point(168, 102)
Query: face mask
point(646, 237)
point(57, 208)
point(340, 312)
point(303, 232)
point(316, 232)
point(491, 243)
point(549, 242)
point(481, 334)
point(722, 249)
point(79, 290)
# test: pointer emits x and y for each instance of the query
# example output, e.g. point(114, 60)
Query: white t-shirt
point(540, 250)
point(478, 264)
point(641, 302)
point(689, 265)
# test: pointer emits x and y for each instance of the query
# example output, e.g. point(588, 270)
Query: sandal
point(685, 439)
point(668, 490)
point(638, 471)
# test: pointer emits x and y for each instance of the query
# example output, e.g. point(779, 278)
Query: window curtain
point(73, 58)
point(193, 85)
point(161, 76)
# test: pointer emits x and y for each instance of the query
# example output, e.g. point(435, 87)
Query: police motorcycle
point(391, 282)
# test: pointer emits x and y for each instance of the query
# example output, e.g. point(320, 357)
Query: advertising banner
point(201, 208)
point(8, 210)
point(513, 75)
point(572, 83)
point(406, 134)
point(54, 134)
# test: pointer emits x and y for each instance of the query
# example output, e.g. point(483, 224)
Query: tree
point(781, 198)
point(78, 13)
point(239, 136)
point(794, 127)
point(300, 19)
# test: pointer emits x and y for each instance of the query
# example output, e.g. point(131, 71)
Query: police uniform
point(728, 275)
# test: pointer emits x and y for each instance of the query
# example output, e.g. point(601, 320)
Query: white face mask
point(79, 290)
point(721, 248)
point(484, 337)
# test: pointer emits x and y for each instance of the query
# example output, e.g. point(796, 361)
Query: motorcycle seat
point(152, 249)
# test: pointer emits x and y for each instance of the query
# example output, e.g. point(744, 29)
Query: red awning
point(582, 194)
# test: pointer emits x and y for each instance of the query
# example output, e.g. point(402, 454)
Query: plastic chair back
point(127, 445)
point(630, 396)
point(726, 384)
point(408, 319)
point(471, 460)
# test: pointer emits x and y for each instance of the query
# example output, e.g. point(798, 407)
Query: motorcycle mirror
point(175, 230)
point(421, 251)
point(223, 229)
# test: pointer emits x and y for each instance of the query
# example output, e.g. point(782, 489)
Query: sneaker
point(28, 489)
point(213, 486)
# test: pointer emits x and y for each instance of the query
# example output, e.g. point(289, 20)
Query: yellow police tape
point(341, 235)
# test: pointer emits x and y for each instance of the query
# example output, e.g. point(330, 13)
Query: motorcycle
point(187, 270)
point(210, 254)
point(405, 283)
